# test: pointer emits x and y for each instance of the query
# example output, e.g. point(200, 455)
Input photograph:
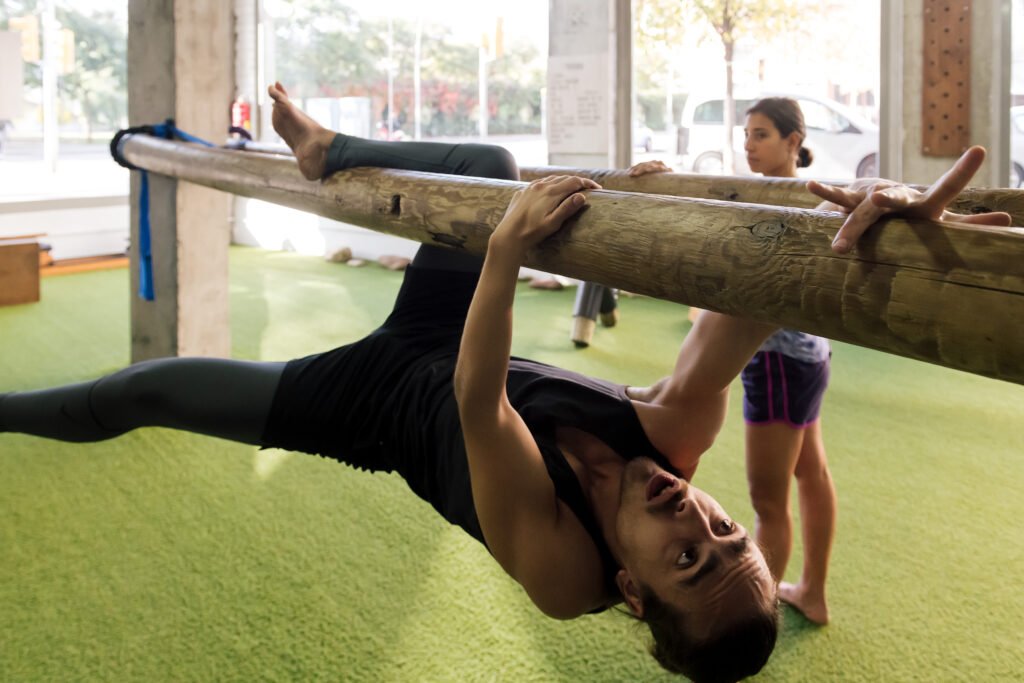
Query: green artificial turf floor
point(171, 557)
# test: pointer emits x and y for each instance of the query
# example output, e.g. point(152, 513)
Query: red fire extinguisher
point(241, 114)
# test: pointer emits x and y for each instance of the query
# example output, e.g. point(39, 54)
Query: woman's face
point(767, 151)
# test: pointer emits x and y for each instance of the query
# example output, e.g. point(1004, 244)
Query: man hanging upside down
point(578, 487)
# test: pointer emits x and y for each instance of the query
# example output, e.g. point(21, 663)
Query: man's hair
point(737, 651)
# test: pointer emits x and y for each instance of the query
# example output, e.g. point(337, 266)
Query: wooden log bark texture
point(749, 189)
point(951, 295)
point(758, 190)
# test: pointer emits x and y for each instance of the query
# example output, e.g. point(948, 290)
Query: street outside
point(34, 200)
point(86, 170)
point(83, 170)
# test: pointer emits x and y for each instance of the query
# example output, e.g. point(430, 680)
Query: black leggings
point(228, 398)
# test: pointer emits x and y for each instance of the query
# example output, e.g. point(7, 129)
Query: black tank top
point(386, 403)
point(546, 397)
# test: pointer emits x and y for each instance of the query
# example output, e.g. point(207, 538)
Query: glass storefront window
point(391, 70)
point(1017, 95)
point(681, 81)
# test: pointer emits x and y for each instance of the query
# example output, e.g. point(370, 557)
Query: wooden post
point(946, 78)
point(951, 295)
point(770, 191)
point(180, 66)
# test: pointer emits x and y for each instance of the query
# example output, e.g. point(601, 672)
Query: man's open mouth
point(661, 487)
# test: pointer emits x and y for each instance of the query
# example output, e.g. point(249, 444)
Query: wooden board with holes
point(946, 83)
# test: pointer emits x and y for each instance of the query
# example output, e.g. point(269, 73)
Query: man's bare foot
point(306, 138)
point(813, 607)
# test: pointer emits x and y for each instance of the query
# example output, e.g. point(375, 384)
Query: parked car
point(643, 137)
point(844, 144)
point(1017, 146)
point(5, 127)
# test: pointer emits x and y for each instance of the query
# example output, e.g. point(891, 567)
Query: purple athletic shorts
point(777, 388)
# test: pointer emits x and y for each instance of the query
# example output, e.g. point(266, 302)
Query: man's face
point(679, 542)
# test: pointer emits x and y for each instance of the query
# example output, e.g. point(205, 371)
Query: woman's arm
point(545, 550)
point(685, 411)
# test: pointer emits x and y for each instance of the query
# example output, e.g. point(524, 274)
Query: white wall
point(75, 227)
point(11, 69)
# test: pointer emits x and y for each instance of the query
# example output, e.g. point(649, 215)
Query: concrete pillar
point(589, 110)
point(903, 90)
point(181, 66)
point(589, 89)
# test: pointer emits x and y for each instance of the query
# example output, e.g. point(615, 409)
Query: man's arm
point(534, 214)
point(690, 404)
point(868, 199)
point(684, 412)
point(719, 346)
point(546, 551)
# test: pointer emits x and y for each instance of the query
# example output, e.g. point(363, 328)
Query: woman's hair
point(736, 652)
point(785, 113)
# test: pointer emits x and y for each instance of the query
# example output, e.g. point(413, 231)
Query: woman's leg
point(818, 524)
point(223, 398)
point(772, 453)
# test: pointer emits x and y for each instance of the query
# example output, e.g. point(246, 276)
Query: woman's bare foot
point(306, 138)
point(813, 607)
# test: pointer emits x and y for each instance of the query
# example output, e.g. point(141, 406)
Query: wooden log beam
point(757, 190)
point(951, 295)
point(748, 189)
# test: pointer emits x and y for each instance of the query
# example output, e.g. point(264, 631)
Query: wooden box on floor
point(19, 271)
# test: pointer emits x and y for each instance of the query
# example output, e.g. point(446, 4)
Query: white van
point(844, 144)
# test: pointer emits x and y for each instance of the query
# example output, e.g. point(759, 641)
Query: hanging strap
point(168, 131)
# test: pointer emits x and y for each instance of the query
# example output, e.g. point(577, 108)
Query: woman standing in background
point(783, 387)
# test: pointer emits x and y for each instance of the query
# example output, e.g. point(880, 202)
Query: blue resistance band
point(170, 132)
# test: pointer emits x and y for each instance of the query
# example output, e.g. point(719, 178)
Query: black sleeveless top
point(387, 403)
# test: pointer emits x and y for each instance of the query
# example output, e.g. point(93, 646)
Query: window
point(819, 117)
point(712, 111)
point(709, 112)
point(454, 72)
point(815, 52)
